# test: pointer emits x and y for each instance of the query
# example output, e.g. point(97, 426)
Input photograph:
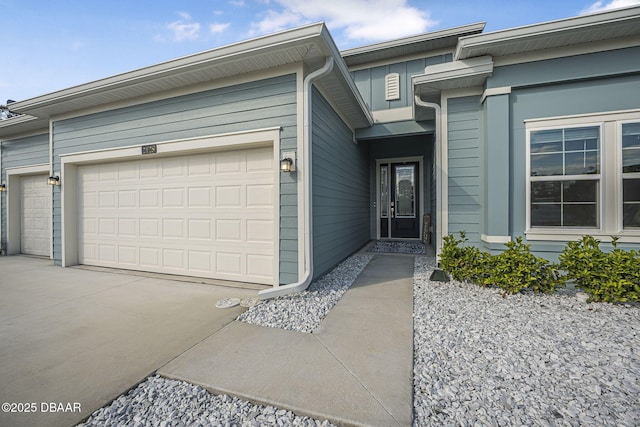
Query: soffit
point(410, 45)
point(14, 127)
point(452, 75)
point(567, 32)
point(308, 44)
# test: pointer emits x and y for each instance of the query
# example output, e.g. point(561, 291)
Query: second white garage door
point(35, 224)
point(204, 215)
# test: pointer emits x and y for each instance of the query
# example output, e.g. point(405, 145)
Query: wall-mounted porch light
point(53, 180)
point(3, 187)
point(288, 162)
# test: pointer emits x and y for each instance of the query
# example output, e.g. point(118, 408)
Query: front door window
point(405, 191)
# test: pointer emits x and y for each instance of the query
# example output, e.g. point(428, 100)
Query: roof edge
point(477, 27)
point(152, 71)
point(345, 75)
point(466, 72)
point(548, 27)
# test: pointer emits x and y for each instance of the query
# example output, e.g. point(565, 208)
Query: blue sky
point(49, 45)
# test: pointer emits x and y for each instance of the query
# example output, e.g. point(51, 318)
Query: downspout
point(438, 142)
point(302, 284)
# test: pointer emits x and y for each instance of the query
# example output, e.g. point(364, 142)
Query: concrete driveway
point(72, 340)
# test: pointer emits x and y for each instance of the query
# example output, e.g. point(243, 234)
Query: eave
point(453, 75)
point(15, 127)
point(408, 46)
point(580, 30)
point(308, 44)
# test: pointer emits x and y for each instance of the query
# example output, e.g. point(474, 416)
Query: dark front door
point(399, 200)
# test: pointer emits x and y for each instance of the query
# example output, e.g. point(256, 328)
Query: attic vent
point(392, 86)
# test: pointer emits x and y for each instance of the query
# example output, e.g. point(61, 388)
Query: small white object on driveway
point(227, 302)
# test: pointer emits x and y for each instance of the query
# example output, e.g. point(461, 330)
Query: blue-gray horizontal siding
point(572, 68)
point(340, 202)
point(29, 151)
point(255, 105)
point(370, 81)
point(464, 167)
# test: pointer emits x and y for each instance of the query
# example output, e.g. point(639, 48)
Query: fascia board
point(544, 29)
point(176, 66)
point(345, 76)
point(465, 29)
point(437, 76)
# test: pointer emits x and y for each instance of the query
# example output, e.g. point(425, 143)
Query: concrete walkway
point(356, 369)
point(81, 338)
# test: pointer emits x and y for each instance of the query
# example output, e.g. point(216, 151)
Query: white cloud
point(217, 27)
point(184, 29)
point(237, 3)
point(362, 20)
point(602, 5)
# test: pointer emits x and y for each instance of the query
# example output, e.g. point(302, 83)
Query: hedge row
point(606, 276)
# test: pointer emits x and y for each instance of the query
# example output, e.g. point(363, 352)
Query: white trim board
point(495, 239)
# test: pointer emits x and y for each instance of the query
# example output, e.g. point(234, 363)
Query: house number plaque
point(149, 149)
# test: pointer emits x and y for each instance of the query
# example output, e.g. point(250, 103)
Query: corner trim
point(505, 90)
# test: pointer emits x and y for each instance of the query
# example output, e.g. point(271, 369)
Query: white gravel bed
point(527, 359)
point(161, 402)
point(398, 247)
point(304, 310)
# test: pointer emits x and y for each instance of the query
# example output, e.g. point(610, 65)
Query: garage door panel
point(149, 257)
point(259, 265)
point(200, 215)
point(259, 195)
point(260, 230)
point(35, 221)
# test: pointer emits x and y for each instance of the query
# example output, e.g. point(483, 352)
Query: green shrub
point(607, 277)
point(517, 268)
point(464, 262)
point(513, 270)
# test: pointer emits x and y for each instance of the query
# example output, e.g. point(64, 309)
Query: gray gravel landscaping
point(479, 359)
point(304, 311)
point(160, 402)
point(526, 359)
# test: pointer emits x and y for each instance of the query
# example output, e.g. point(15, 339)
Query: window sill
point(568, 235)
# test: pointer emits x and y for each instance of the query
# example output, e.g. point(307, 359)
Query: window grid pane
point(565, 203)
point(630, 147)
point(631, 203)
point(574, 151)
point(630, 180)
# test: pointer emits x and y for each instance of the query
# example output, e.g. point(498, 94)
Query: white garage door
point(35, 222)
point(204, 215)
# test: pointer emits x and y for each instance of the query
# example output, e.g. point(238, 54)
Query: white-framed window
point(583, 176)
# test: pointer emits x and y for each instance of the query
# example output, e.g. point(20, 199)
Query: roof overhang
point(309, 44)
point(407, 46)
point(452, 75)
point(615, 24)
point(18, 126)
